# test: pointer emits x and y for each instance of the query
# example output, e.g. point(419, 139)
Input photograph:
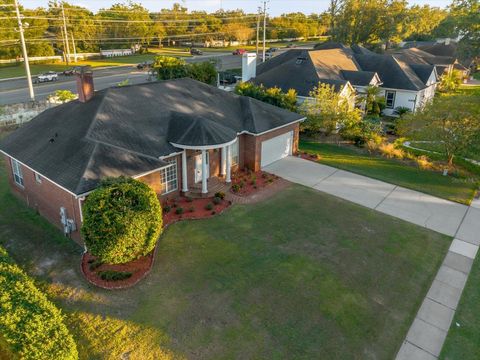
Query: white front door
point(198, 167)
point(276, 148)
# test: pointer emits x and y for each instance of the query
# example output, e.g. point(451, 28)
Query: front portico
point(197, 160)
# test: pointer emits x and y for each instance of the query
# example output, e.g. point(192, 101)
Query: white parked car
point(48, 76)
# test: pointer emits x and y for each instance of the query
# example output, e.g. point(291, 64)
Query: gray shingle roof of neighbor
point(310, 67)
point(358, 78)
point(394, 73)
point(333, 63)
point(127, 130)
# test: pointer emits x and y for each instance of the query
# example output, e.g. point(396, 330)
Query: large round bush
point(122, 220)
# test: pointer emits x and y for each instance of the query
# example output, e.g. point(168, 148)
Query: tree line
point(373, 22)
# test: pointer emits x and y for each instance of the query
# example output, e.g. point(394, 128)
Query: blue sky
point(276, 7)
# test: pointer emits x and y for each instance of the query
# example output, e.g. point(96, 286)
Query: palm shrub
point(31, 327)
point(122, 220)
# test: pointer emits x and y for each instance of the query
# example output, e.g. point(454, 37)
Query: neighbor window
point(389, 99)
point(17, 172)
point(38, 178)
point(168, 177)
point(234, 153)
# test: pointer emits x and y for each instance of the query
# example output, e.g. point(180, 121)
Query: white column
point(204, 172)
point(184, 172)
point(229, 164)
point(223, 164)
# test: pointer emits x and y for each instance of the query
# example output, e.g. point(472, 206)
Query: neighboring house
point(174, 135)
point(403, 84)
point(303, 70)
point(444, 64)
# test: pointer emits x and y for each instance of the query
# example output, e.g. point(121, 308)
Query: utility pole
point(66, 35)
point(264, 27)
point(258, 28)
point(74, 49)
point(24, 50)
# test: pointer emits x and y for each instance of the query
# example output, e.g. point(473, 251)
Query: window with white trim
point(389, 99)
point(38, 178)
point(168, 177)
point(17, 172)
point(234, 153)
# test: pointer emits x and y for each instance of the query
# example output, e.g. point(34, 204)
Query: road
point(16, 91)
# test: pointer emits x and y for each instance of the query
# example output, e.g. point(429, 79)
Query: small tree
point(327, 110)
point(374, 103)
point(122, 220)
point(169, 67)
point(450, 82)
point(63, 96)
point(452, 120)
point(274, 95)
point(203, 71)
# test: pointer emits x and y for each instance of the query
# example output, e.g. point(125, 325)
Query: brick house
point(178, 136)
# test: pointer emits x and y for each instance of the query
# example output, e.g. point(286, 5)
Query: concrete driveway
point(421, 209)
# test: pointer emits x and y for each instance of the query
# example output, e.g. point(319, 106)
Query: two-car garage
point(276, 148)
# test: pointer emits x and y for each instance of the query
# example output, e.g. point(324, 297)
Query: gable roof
point(128, 130)
point(393, 72)
point(338, 65)
point(309, 66)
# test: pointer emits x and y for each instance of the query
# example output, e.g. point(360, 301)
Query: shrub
point(167, 208)
point(112, 275)
point(220, 195)
point(191, 209)
point(31, 326)
point(217, 200)
point(179, 211)
point(235, 188)
point(122, 220)
point(423, 162)
point(390, 151)
point(209, 206)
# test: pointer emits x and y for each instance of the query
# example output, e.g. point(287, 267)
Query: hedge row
point(30, 324)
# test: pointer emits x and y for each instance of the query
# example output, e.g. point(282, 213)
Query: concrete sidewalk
point(430, 327)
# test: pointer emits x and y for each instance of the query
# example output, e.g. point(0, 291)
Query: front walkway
point(429, 329)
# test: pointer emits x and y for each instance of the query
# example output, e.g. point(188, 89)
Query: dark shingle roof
point(423, 71)
point(335, 64)
point(126, 130)
point(393, 72)
point(358, 78)
point(309, 67)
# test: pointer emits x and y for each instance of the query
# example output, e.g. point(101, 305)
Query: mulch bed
point(138, 268)
point(245, 183)
point(192, 208)
point(307, 156)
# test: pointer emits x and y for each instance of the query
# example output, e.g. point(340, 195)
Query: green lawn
point(463, 340)
point(394, 171)
point(300, 276)
point(438, 147)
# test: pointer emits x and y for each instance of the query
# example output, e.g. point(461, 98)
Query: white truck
point(48, 76)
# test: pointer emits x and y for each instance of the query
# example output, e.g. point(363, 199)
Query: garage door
point(276, 148)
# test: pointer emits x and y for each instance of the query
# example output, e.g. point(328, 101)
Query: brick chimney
point(85, 87)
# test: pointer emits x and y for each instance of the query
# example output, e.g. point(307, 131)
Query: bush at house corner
point(31, 327)
point(122, 220)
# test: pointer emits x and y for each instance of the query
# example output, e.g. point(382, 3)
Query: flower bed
point(183, 208)
point(246, 182)
point(117, 276)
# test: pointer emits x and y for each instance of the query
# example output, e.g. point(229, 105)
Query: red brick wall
point(46, 198)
